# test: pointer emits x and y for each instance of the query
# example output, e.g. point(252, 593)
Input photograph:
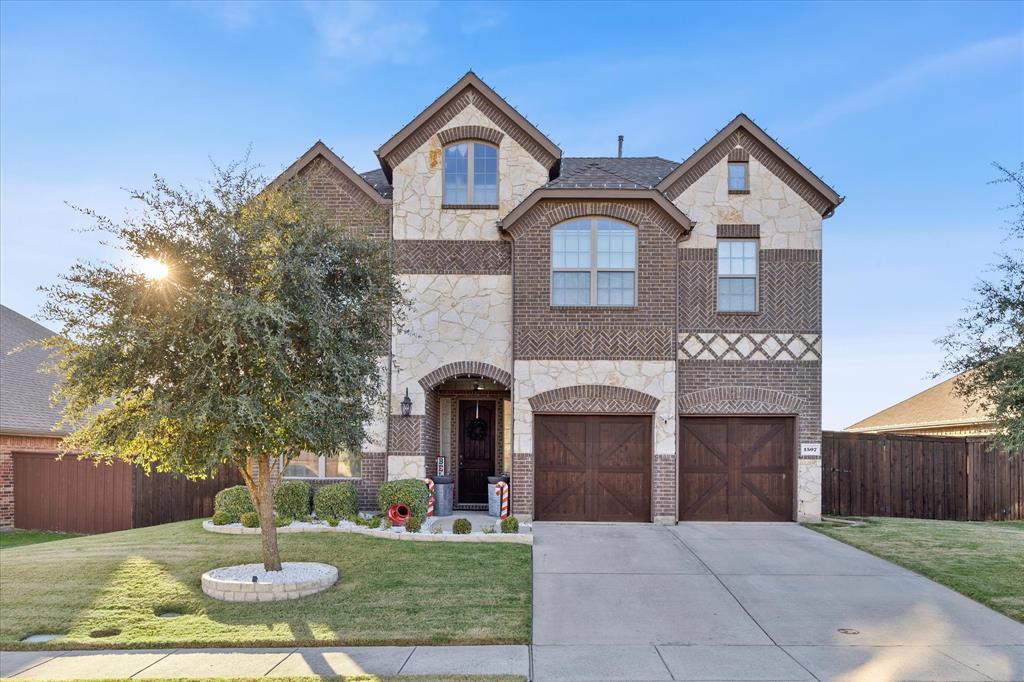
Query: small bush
point(487, 530)
point(282, 521)
point(332, 522)
point(510, 525)
point(436, 530)
point(292, 498)
point(251, 520)
point(340, 500)
point(413, 525)
point(221, 518)
point(234, 502)
point(462, 526)
point(412, 492)
point(373, 522)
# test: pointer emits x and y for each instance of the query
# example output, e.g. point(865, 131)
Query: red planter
point(398, 514)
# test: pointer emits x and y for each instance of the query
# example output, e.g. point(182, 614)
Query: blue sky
point(902, 107)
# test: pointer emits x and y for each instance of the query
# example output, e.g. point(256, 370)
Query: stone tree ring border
point(594, 399)
point(456, 369)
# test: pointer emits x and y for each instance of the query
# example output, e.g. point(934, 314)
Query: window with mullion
point(470, 174)
point(737, 275)
point(593, 262)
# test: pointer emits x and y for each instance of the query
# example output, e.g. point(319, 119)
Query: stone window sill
point(741, 313)
point(466, 207)
point(739, 191)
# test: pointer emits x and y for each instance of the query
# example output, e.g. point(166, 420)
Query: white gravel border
point(295, 579)
point(391, 534)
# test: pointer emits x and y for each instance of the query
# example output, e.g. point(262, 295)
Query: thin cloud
point(969, 56)
point(231, 14)
point(368, 32)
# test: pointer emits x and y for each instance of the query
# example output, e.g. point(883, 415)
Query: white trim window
point(737, 275)
point(309, 465)
point(739, 176)
point(593, 262)
point(470, 174)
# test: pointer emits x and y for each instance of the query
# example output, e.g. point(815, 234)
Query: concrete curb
point(507, 538)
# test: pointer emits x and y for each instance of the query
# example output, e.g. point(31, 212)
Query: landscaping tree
point(249, 327)
point(986, 345)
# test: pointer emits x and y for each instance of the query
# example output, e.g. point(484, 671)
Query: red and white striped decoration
point(501, 489)
point(430, 496)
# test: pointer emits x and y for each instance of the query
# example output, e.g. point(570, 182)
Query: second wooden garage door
point(736, 469)
point(592, 468)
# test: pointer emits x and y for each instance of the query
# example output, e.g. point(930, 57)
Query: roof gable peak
point(321, 149)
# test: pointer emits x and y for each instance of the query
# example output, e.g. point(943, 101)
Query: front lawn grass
point(984, 561)
point(19, 538)
point(389, 592)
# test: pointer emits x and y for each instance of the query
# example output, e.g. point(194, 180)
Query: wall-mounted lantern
point(406, 404)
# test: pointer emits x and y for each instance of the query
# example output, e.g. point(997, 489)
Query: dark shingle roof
point(638, 172)
point(590, 172)
point(378, 182)
point(24, 390)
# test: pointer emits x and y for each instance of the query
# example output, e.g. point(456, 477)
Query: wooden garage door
point(592, 468)
point(736, 469)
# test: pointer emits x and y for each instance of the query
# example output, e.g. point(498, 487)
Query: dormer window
point(471, 174)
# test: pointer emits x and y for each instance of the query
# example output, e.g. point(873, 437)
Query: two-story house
point(630, 339)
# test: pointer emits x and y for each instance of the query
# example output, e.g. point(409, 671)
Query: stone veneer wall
point(9, 444)
point(654, 378)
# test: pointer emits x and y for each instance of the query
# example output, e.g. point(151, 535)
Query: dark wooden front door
point(736, 468)
point(592, 468)
point(476, 449)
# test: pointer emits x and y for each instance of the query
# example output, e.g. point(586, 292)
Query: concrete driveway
point(752, 601)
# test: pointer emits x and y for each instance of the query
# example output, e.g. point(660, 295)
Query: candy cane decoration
point(501, 489)
point(430, 496)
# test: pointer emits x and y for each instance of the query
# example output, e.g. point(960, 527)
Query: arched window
point(471, 174)
point(593, 262)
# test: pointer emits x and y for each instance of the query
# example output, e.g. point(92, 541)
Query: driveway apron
point(751, 601)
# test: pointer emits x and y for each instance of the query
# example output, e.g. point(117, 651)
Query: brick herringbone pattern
point(753, 346)
point(453, 257)
point(594, 398)
point(604, 342)
point(405, 435)
point(790, 290)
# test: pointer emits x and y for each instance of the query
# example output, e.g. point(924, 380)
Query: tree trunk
point(261, 480)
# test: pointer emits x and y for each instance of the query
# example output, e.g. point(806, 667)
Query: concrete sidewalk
point(197, 663)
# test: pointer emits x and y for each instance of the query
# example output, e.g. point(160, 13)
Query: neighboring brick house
point(629, 338)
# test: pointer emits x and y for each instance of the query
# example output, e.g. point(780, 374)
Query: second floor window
point(739, 176)
point(737, 276)
point(471, 174)
point(593, 262)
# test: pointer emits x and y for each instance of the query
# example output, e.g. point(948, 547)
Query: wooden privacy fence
point(77, 496)
point(927, 477)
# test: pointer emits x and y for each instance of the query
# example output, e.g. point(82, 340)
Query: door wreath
point(476, 429)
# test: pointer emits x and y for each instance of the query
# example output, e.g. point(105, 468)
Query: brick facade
point(9, 444)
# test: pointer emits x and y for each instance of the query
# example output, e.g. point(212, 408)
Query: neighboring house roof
point(390, 152)
point(766, 150)
point(321, 149)
point(933, 407)
point(25, 396)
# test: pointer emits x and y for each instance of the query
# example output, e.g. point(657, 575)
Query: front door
point(476, 449)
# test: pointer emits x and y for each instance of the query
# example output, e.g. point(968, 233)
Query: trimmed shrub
point(281, 521)
point(337, 500)
point(251, 519)
point(413, 525)
point(221, 518)
point(373, 522)
point(292, 498)
point(332, 522)
point(412, 492)
point(462, 527)
point(234, 502)
point(510, 525)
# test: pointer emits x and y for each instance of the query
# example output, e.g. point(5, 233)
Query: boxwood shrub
point(292, 498)
point(510, 525)
point(251, 520)
point(233, 502)
point(413, 525)
point(411, 492)
point(336, 500)
point(221, 518)
point(462, 526)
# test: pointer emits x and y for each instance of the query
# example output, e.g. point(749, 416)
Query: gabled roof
point(320, 149)
point(741, 131)
point(25, 396)
point(378, 182)
point(631, 172)
point(390, 150)
point(937, 406)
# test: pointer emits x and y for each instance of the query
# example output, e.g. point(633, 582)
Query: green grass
point(981, 560)
point(389, 592)
point(19, 538)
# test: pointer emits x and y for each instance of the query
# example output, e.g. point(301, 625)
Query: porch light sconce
point(406, 404)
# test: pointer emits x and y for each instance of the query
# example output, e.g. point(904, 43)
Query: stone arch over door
point(594, 398)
